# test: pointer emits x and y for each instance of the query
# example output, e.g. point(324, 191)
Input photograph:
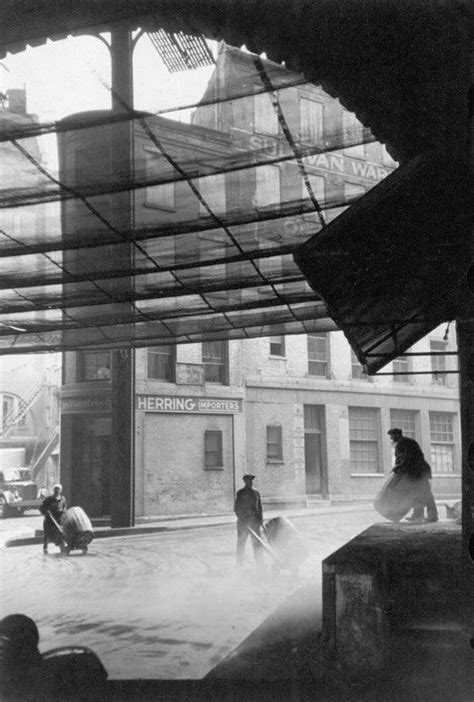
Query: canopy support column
point(123, 360)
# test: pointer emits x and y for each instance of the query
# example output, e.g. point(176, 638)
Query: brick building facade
point(297, 410)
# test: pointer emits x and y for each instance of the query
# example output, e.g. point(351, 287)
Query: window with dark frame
point(160, 196)
point(318, 357)
point(213, 454)
point(364, 440)
point(404, 420)
point(401, 365)
point(357, 371)
point(438, 363)
point(311, 121)
point(277, 346)
point(8, 404)
point(274, 443)
point(94, 365)
point(442, 442)
point(266, 120)
point(214, 359)
point(161, 363)
point(267, 187)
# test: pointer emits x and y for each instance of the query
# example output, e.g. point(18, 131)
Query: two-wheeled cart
point(280, 539)
point(75, 529)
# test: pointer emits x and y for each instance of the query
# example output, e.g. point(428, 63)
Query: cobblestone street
point(167, 605)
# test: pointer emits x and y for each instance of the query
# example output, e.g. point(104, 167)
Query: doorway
point(94, 487)
point(315, 451)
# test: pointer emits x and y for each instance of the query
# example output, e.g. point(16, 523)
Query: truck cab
point(18, 491)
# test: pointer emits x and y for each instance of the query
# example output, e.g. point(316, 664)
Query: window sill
point(149, 206)
point(274, 461)
point(277, 358)
point(369, 475)
point(214, 468)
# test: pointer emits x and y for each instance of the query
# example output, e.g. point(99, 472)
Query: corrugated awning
point(390, 269)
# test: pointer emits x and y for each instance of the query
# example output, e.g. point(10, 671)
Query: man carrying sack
point(409, 484)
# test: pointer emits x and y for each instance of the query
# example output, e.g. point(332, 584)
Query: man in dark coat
point(410, 461)
point(248, 508)
point(54, 505)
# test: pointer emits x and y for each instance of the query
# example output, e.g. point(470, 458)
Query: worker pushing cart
point(75, 529)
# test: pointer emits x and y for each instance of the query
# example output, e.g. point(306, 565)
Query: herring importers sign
point(203, 405)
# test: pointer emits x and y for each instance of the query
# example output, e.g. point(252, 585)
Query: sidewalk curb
point(226, 520)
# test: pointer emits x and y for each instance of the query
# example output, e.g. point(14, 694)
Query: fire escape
point(44, 448)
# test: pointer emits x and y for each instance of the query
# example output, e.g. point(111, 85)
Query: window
point(438, 363)
point(442, 442)
point(95, 365)
point(401, 365)
point(353, 131)
point(212, 190)
point(353, 191)
point(266, 120)
point(387, 159)
point(214, 358)
point(364, 440)
point(357, 372)
point(318, 357)
point(8, 407)
point(162, 195)
point(161, 363)
point(277, 346)
point(311, 120)
point(268, 186)
point(213, 455)
point(274, 443)
point(317, 186)
point(404, 420)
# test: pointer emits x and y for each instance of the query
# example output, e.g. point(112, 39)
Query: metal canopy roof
point(217, 272)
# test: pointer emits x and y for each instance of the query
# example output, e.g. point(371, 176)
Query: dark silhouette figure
point(410, 461)
point(52, 509)
point(248, 508)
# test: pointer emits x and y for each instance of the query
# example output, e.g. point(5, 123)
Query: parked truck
point(18, 490)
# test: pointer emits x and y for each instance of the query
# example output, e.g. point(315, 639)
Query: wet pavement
point(168, 605)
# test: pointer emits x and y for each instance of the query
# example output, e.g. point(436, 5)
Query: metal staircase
point(51, 443)
point(12, 418)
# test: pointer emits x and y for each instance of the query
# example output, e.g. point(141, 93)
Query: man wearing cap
point(410, 461)
point(248, 508)
point(53, 506)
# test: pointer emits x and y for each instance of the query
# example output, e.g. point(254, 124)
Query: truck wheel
point(84, 550)
point(3, 507)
